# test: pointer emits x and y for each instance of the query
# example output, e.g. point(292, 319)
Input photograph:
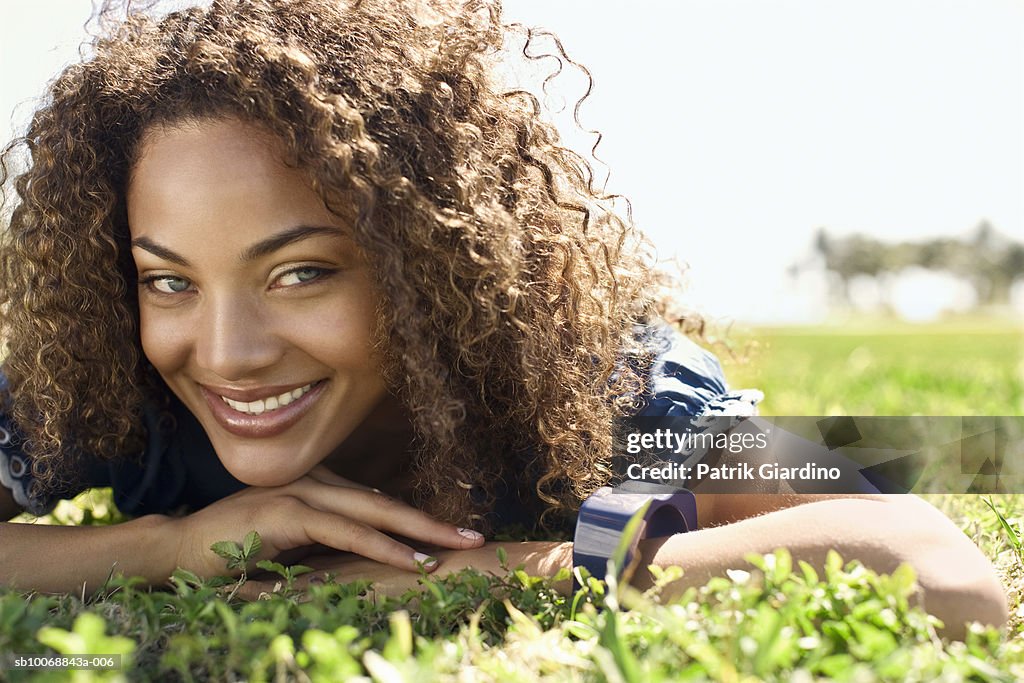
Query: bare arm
point(882, 531)
point(58, 559)
point(958, 582)
point(318, 508)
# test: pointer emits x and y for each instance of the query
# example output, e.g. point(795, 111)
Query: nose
point(234, 340)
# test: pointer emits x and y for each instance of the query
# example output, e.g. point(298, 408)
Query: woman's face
point(255, 306)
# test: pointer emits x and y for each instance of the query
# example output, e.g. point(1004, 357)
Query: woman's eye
point(299, 276)
point(167, 284)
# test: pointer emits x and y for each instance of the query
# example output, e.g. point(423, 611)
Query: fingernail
point(425, 560)
point(470, 534)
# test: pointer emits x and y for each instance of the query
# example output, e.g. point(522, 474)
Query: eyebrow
point(251, 253)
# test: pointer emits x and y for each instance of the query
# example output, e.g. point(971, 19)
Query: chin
point(246, 469)
point(262, 479)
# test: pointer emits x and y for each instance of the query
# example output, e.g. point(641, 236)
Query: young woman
point(305, 267)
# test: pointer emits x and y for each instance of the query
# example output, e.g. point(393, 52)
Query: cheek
point(343, 334)
point(164, 342)
point(344, 339)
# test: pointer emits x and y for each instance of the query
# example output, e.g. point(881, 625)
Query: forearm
point(958, 582)
point(60, 559)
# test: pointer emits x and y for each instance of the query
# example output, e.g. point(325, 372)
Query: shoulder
point(686, 379)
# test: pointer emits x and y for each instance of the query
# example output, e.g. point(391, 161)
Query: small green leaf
point(783, 565)
point(810, 576)
point(904, 579)
point(871, 643)
point(834, 665)
point(563, 574)
point(502, 557)
point(282, 648)
point(435, 590)
point(833, 564)
point(251, 545)
point(271, 566)
point(399, 646)
point(522, 577)
point(218, 581)
point(580, 630)
point(229, 550)
point(758, 560)
point(1011, 534)
point(188, 577)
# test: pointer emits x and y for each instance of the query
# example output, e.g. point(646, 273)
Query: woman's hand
point(319, 508)
point(540, 558)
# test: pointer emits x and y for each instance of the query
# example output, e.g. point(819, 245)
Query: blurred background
point(808, 157)
point(824, 168)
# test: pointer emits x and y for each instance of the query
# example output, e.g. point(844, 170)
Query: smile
point(270, 404)
point(263, 417)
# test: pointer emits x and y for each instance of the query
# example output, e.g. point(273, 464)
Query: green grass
point(778, 622)
point(895, 370)
point(773, 620)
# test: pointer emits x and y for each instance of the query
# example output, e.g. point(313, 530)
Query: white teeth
point(266, 405)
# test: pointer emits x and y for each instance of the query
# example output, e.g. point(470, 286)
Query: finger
point(382, 512)
point(299, 555)
point(348, 534)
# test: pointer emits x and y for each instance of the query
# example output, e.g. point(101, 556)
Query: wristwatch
point(604, 516)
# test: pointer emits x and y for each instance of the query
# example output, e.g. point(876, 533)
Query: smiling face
point(255, 306)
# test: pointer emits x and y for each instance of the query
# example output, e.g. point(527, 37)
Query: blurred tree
point(988, 260)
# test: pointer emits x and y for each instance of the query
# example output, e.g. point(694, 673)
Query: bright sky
point(738, 127)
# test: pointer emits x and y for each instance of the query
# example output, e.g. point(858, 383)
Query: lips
point(246, 413)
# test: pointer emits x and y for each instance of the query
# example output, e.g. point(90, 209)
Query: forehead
point(229, 152)
point(218, 176)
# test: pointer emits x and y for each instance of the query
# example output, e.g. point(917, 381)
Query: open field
point(966, 369)
point(775, 621)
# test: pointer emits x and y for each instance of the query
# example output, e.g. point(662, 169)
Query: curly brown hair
point(513, 289)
